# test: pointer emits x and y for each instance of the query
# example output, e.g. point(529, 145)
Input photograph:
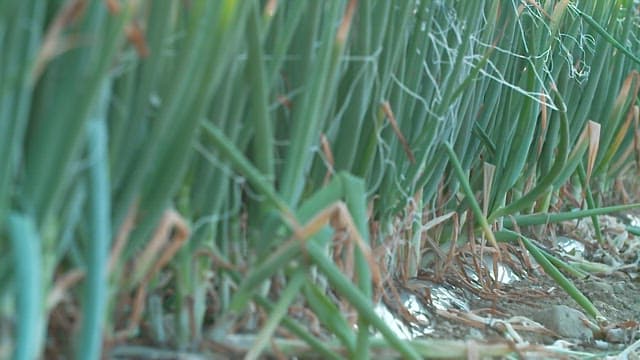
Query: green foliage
point(113, 113)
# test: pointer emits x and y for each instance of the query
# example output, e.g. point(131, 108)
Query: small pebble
point(602, 345)
point(565, 321)
point(616, 335)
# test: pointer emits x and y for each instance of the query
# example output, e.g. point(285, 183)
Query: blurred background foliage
point(188, 160)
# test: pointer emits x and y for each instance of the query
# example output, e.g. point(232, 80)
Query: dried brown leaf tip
point(136, 37)
point(72, 13)
point(328, 154)
point(270, 8)
point(55, 42)
point(386, 108)
point(343, 30)
point(113, 6)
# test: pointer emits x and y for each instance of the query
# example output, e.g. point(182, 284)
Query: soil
point(505, 312)
point(616, 298)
